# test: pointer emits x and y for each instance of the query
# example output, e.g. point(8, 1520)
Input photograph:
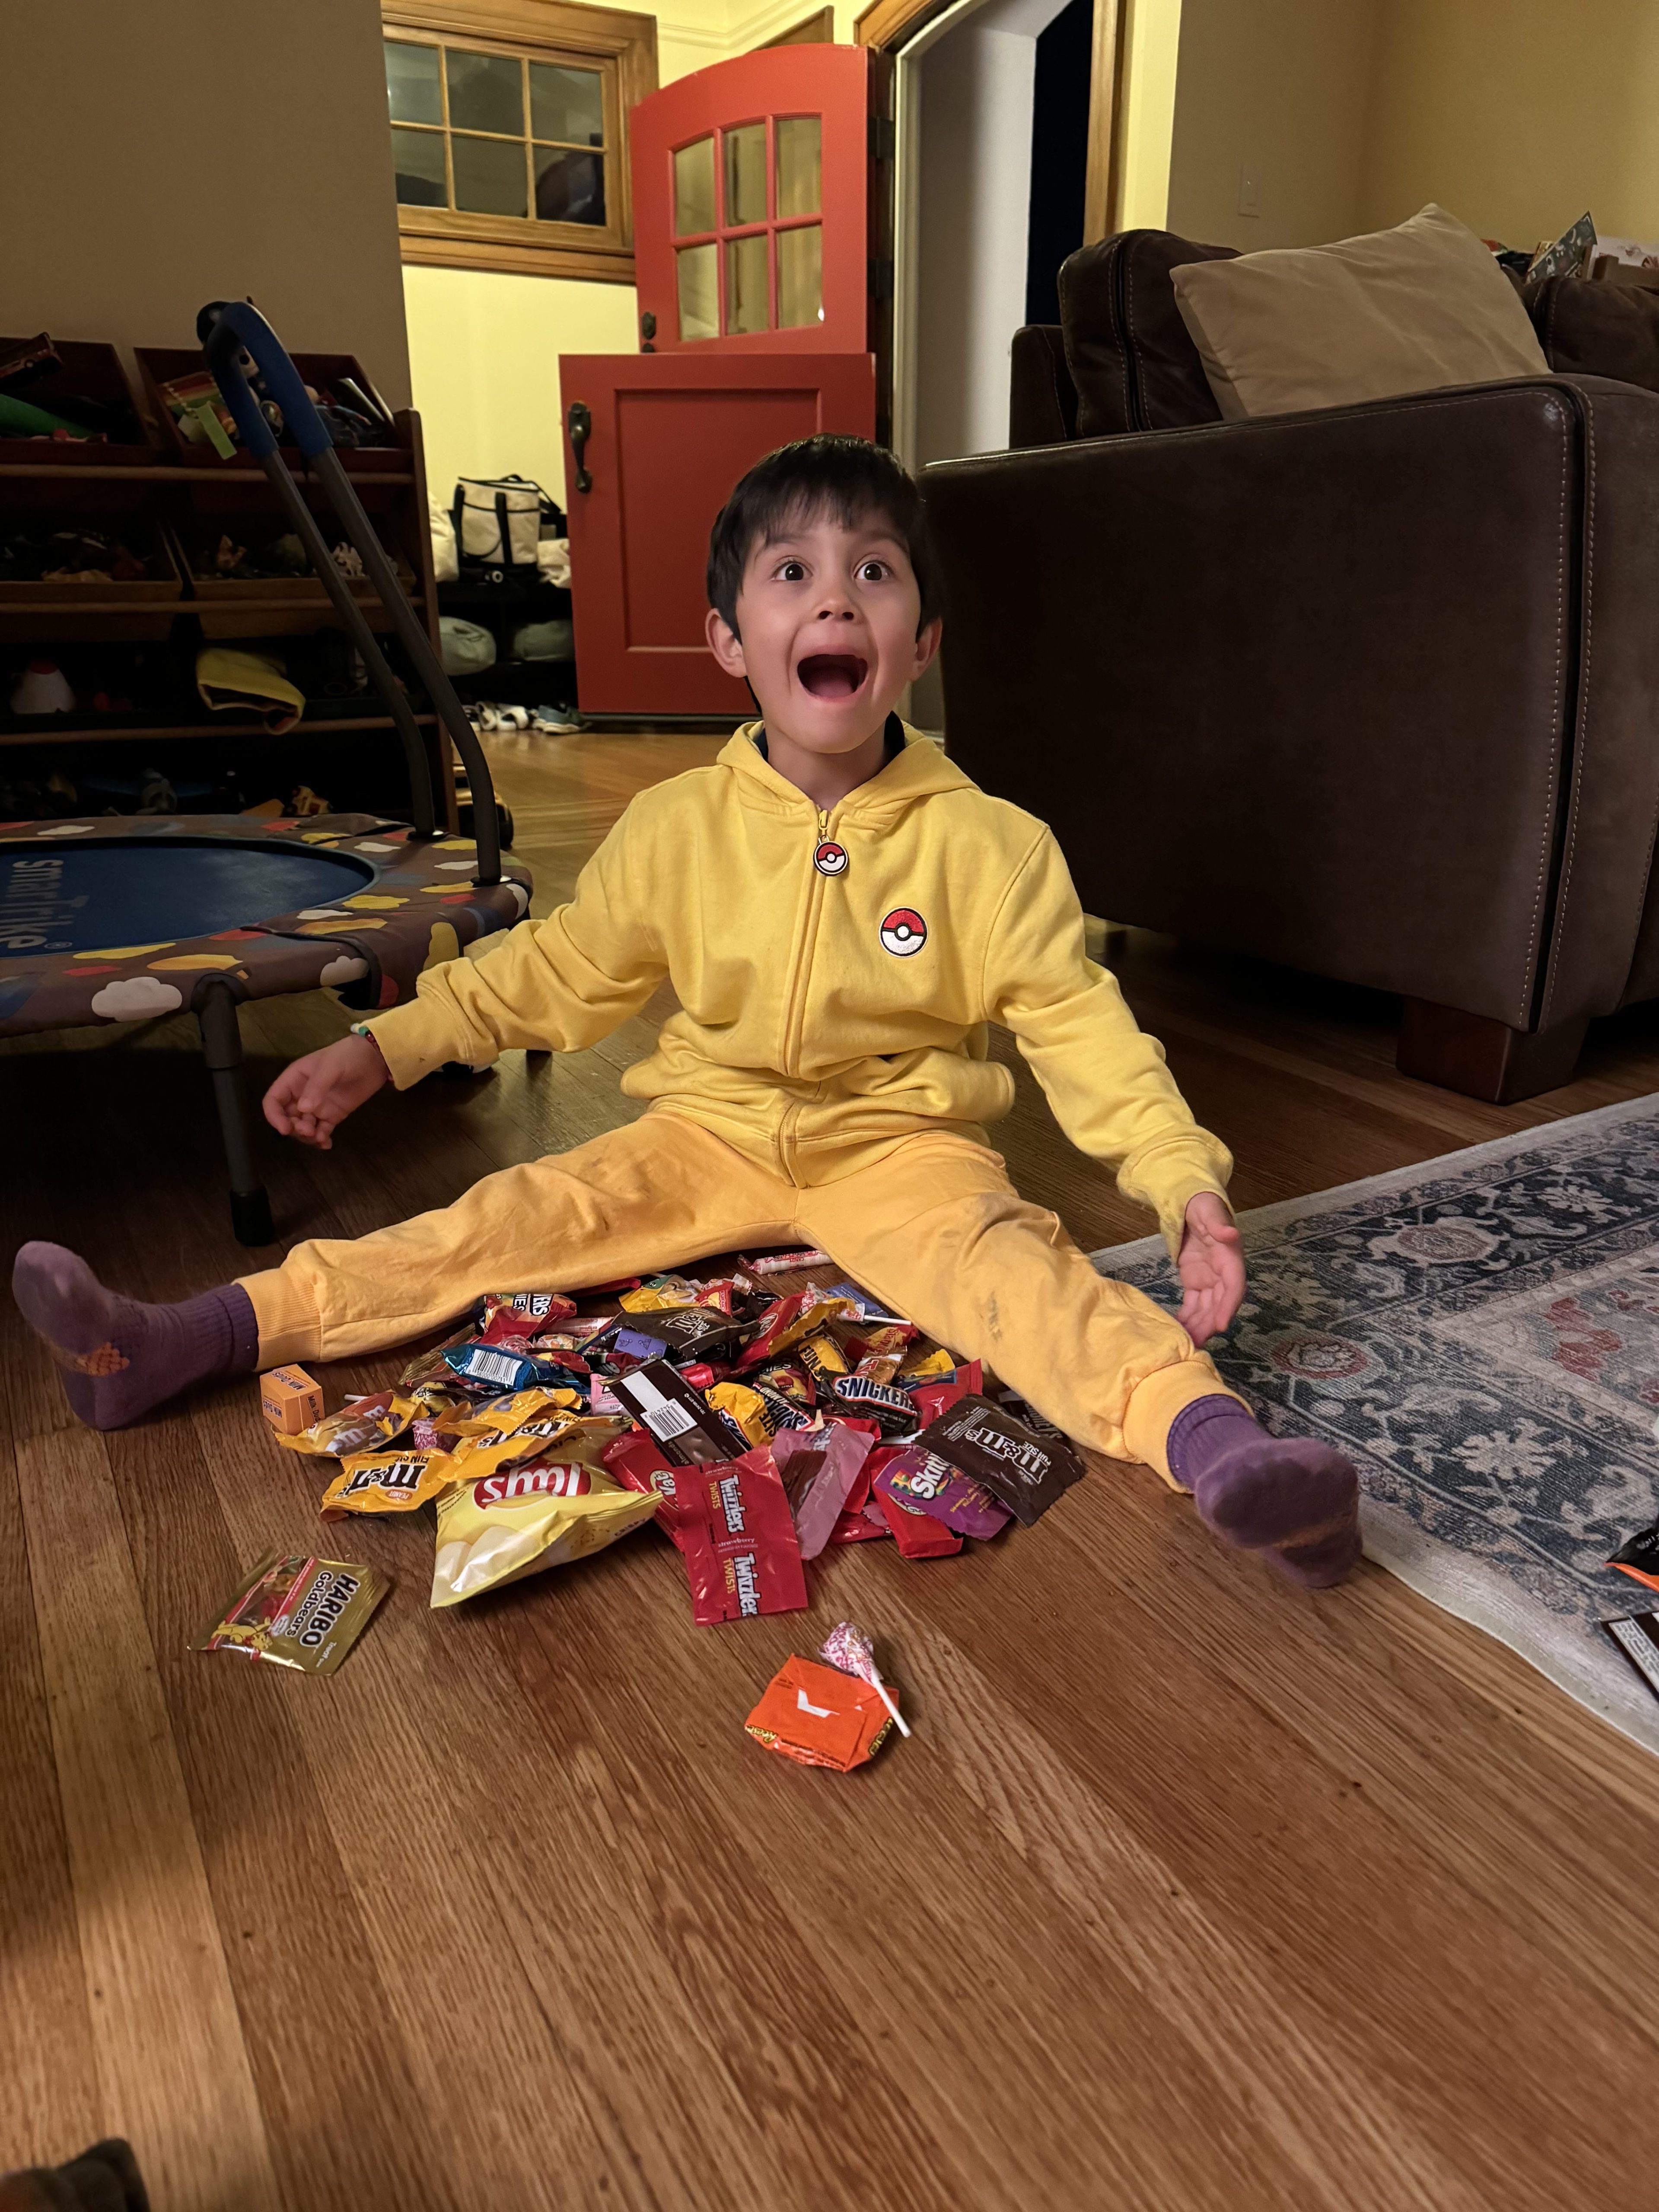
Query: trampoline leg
point(222, 1047)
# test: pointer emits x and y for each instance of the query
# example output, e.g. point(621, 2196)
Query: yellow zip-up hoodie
point(836, 974)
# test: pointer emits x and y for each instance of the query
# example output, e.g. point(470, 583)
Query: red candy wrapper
point(917, 1535)
point(742, 1553)
point(933, 1399)
point(637, 1463)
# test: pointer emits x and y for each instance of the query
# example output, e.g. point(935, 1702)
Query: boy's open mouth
point(833, 674)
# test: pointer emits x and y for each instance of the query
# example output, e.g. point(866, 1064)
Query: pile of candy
point(758, 1429)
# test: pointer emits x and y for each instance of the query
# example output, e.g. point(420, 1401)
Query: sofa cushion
point(1130, 359)
point(1598, 329)
point(1406, 310)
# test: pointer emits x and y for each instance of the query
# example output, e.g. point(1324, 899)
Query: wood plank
point(172, 2073)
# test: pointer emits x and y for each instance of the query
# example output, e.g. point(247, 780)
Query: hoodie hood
point(920, 771)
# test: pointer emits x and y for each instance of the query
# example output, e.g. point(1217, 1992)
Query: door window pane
point(490, 176)
point(570, 187)
point(800, 277)
point(567, 103)
point(800, 164)
point(746, 174)
point(746, 283)
point(697, 269)
point(417, 159)
point(486, 93)
point(693, 188)
point(412, 83)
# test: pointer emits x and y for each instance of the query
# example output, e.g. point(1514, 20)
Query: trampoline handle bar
point(226, 328)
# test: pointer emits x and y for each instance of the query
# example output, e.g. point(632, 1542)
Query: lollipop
point(847, 1647)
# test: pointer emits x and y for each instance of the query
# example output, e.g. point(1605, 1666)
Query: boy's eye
point(871, 572)
point(792, 572)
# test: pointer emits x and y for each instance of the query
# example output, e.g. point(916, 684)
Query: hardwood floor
point(1190, 1891)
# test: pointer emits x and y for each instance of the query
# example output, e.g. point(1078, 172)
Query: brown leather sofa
point(1373, 692)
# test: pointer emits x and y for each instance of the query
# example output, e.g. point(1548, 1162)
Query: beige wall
point(484, 349)
point(1515, 114)
point(154, 158)
point(1280, 85)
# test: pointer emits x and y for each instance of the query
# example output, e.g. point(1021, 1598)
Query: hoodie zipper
point(795, 1014)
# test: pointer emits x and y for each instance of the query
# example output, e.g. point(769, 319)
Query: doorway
point(992, 104)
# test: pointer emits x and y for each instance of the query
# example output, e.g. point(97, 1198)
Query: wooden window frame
point(557, 30)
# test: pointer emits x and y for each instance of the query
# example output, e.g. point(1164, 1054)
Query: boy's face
point(826, 630)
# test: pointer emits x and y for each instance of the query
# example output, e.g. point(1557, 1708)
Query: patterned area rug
point(1480, 1333)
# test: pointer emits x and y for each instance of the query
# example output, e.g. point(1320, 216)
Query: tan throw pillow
point(1405, 310)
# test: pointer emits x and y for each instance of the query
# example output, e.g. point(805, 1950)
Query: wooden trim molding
point(1103, 181)
point(886, 24)
point(449, 238)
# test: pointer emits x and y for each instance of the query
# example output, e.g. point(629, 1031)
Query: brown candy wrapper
point(297, 1611)
point(386, 1482)
point(1027, 1471)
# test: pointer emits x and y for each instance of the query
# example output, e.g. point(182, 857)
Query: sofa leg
point(1483, 1058)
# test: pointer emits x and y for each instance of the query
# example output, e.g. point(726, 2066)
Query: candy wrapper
point(386, 1482)
point(362, 1426)
point(525, 1519)
point(739, 1403)
point(917, 1535)
point(923, 1483)
point(784, 1263)
point(1639, 1557)
point(820, 1716)
point(689, 1430)
point(893, 1409)
point(1027, 1471)
point(822, 1358)
point(502, 1367)
point(522, 1313)
point(738, 1539)
point(297, 1611)
point(819, 1469)
point(848, 1648)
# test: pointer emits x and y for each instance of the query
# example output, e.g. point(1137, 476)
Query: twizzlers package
point(739, 1541)
point(1026, 1471)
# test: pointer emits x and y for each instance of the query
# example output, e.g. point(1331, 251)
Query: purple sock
point(119, 1357)
point(1289, 1497)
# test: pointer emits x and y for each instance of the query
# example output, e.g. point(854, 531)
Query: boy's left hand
point(1211, 1267)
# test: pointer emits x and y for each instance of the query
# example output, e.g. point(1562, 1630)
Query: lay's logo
point(513, 1484)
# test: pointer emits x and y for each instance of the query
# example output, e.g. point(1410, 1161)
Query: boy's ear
point(927, 644)
point(724, 643)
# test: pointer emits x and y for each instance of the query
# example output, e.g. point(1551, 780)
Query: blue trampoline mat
point(89, 897)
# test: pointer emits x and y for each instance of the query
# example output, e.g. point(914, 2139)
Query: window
point(748, 233)
point(509, 132)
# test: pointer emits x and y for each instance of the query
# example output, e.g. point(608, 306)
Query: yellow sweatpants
point(934, 1229)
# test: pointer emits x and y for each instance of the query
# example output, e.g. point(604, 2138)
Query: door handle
point(579, 423)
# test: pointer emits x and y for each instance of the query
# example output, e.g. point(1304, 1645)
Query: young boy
point(841, 913)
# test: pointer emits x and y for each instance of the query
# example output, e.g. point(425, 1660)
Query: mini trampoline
point(115, 919)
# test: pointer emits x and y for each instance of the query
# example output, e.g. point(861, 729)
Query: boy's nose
point(837, 608)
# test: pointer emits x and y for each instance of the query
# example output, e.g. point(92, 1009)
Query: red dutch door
point(751, 254)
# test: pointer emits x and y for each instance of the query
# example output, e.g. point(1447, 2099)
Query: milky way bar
point(682, 1419)
point(698, 1333)
point(1026, 1471)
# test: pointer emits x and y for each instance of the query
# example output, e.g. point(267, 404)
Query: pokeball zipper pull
point(830, 858)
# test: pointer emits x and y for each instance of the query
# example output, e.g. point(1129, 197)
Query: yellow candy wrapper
point(667, 1295)
point(364, 1427)
point(386, 1482)
point(747, 1407)
point(297, 1611)
point(927, 1366)
point(822, 1356)
point(524, 1519)
point(498, 1417)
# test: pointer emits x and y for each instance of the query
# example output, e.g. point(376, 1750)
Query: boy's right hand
point(310, 1098)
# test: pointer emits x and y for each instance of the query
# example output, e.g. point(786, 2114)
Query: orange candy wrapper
point(820, 1716)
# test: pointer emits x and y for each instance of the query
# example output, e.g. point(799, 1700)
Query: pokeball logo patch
point(830, 858)
point(904, 932)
